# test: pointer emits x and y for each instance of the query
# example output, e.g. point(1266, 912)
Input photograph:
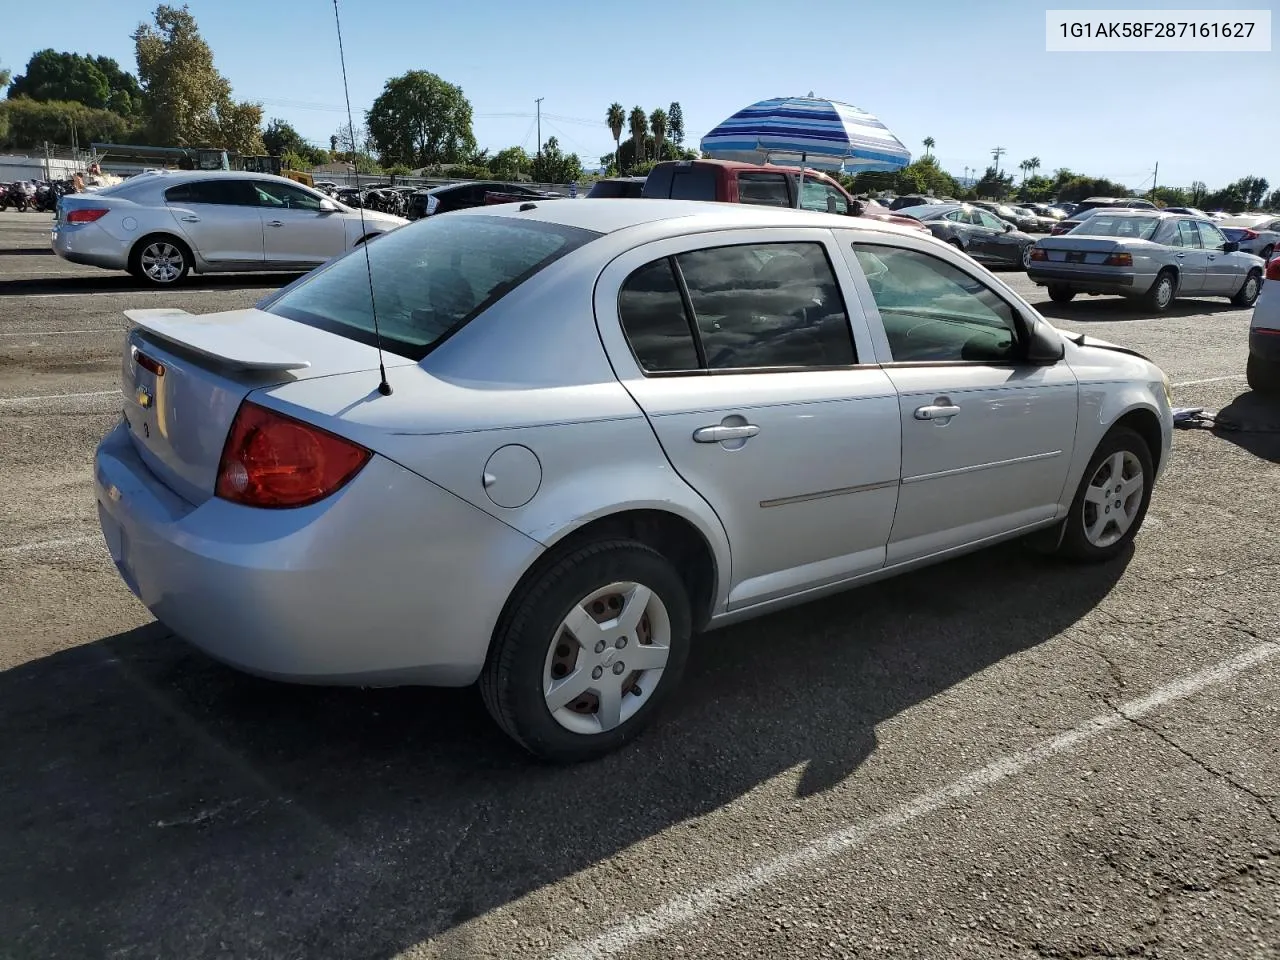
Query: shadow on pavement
point(25, 252)
point(1086, 309)
point(124, 283)
point(156, 803)
point(1252, 422)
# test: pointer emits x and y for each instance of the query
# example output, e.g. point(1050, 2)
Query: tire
point(1162, 293)
point(160, 260)
point(957, 244)
point(1263, 375)
point(1061, 294)
point(1095, 537)
point(1267, 251)
point(1026, 257)
point(534, 645)
point(1249, 290)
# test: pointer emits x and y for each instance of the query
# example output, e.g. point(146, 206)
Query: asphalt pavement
point(1002, 756)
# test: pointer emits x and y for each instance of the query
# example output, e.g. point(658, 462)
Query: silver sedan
point(602, 427)
point(1258, 233)
point(1146, 255)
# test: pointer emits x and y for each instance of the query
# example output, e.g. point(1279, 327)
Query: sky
point(972, 75)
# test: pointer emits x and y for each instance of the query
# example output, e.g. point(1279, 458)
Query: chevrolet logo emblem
point(144, 398)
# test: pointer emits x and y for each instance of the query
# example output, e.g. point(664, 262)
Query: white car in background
point(1264, 334)
point(1257, 233)
point(160, 226)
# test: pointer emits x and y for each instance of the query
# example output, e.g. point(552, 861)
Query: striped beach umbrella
point(826, 134)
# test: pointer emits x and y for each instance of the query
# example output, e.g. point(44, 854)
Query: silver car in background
point(1256, 233)
point(1146, 255)
point(161, 226)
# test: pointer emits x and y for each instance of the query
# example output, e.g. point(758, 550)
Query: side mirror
point(857, 208)
point(1008, 227)
point(1231, 247)
point(328, 206)
point(1045, 346)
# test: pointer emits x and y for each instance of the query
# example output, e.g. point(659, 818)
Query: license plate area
point(1075, 256)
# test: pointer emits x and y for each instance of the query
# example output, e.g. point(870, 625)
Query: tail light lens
point(1273, 268)
point(1039, 253)
point(86, 214)
point(1120, 260)
point(1249, 235)
point(274, 461)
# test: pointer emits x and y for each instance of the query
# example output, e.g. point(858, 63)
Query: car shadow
point(157, 803)
point(1104, 309)
point(1252, 422)
point(25, 252)
point(124, 283)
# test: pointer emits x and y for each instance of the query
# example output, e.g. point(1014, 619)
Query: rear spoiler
point(226, 339)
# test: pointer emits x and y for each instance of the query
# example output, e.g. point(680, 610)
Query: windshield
point(428, 279)
point(1110, 225)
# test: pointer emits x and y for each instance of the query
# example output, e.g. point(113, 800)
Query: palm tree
point(639, 124)
point(1035, 165)
point(658, 124)
point(1024, 166)
point(928, 145)
point(616, 117)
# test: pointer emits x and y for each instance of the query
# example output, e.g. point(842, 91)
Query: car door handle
point(275, 223)
point(1179, 255)
point(719, 433)
point(190, 219)
point(938, 411)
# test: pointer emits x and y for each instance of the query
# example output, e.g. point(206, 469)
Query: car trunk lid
point(183, 378)
point(1078, 249)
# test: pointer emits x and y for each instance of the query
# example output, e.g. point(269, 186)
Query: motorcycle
point(16, 195)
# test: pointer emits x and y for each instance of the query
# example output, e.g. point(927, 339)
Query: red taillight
point(1273, 268)
point(1249, 235)
point(86, 214)
point(1119, 260)
point(1039, 253)
point(271, 460)
point(147, 363)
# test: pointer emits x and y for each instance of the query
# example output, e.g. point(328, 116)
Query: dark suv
point(617, 187)
point(460, 196)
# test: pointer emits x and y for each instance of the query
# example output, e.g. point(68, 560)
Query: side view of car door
point(1193, 261)
point(296, 232)
point(987, 437)
point(220, 219)
point(1223, 273)
point(747, 359)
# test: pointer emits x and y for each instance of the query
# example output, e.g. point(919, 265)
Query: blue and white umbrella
point(819, 133)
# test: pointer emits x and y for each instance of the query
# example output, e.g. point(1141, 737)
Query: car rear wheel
point(1061, 294)
point(1263, 375)
point(1026, 257)
point(1248, 292)
point(161, 261)
point(957, 244)
point(1160, 297)
point(1112, 499)
point(588, 650)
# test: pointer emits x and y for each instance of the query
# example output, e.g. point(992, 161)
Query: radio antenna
point(384, 387)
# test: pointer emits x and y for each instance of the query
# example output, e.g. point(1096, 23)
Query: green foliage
point(94, 81)
point(627, 152)
point(419, 119)
point(5, 74)
point(399, 170)
point(184, 98)
point(638, 124)
point(280, 138)
point(1171, 197)
point(29, 123)
point(464, 171)
point(922, 176)
point(675, 123)
point(509, 164)
point(292, 160)
point(1247, 193)
point(553, 166)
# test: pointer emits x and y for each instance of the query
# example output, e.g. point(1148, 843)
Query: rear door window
point(693, 183)
point(766, 189)
point(235, 193)
point(1211, 236)
point(658, 183)
point(654, 320)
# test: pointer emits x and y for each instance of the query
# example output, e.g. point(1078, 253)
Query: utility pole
point(966, 176)
point(538, 101)
point(1155, 176)
point(996, 154)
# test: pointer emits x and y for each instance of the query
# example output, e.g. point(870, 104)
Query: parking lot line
point(1192, 383)
point(61, 333)
point(59, 396)
point(720, 894)
point(48, 544)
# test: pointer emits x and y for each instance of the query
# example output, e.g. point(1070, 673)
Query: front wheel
point(1248, 292)
point(588, 650)
point(1111, 503)
point(1061, 294)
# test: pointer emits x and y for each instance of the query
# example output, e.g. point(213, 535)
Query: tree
point(94, 81)
point(1034, 164)
point(625, 158)
point(419, 119)
point(28, 123)
point(184, 98)
point(4, 77)
point(1198, 191)
point(616, 117)
point(552, 166)
point(509, 164)
point(1024, 166)
point(333, 143)
point(658, 124)
point(675, 123)
point(993, 184)
point(929, 144)
point(351, 139)
point(639, 124)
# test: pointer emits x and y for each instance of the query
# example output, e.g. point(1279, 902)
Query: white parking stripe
point(49, 544)
point(63, 333)
point(60, 396)
point(1192, 383)
point(721, 894)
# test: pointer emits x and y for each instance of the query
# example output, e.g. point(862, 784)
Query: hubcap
point(1251, 288)
point(1026, 256)
point(606, 658)
point(1112, 499)
point(1164, 292)
point(162, 262)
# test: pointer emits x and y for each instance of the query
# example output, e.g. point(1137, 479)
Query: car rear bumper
point(392, 580)
point(1265, 344)
point(1082, 279)
point(90, 245)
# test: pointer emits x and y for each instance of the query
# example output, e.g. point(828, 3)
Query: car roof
point(608, 216)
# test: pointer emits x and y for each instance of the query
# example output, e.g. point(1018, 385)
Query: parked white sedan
point(603, 427)
point(159, 226)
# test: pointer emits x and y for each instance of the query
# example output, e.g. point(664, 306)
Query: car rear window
point(428, 279)
point(1109, 225)
point(616, 188)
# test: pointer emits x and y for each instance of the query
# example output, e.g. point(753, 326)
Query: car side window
point(1211, 236)
point(767, 305)
point(815, 195)
point(234, 193)
point(767, 189)
point(284, 196)
point(934, 312)
point(990, 221)
point(1188, 236)
point(654, 320)
point(754, 306)
point(955, 216)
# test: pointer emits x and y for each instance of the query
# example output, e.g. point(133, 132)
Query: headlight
point(1168, 388)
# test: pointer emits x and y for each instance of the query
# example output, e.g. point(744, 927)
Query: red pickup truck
point(730, 181)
